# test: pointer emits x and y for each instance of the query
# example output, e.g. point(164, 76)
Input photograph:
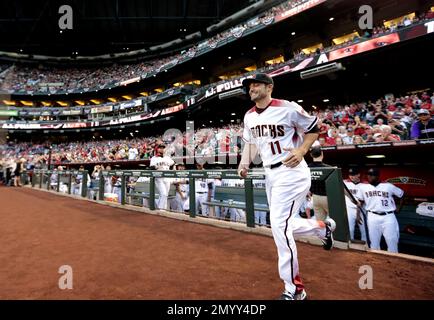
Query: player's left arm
point(309, 124)
point(297, 154)
point(398, 195)
point(400, 202)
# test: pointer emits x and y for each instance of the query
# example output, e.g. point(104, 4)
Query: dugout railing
point(332, 177)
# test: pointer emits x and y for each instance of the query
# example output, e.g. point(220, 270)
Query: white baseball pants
point(286, 191)
point(352, 220)
point(163, 186)
point(386, 226)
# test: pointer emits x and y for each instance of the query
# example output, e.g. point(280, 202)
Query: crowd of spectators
point(377, 31)
point(388, 119)
point(202, 142)
point(46, 79)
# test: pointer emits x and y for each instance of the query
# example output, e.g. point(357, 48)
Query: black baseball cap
point(353, 171)
point(258, 77)
point(374, 172)
point(315, 152)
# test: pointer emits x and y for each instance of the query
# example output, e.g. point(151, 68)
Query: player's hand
point(294, 158)
point(242, 173)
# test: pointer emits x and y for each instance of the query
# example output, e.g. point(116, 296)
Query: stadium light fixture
point(326, 100)
point(376, 156)
point(300, 101)
point(229, 57)
point(322, 70)
point(331, 19)
point(202, 68)
point(293, 33)
point(233, 114)
point(254, 48)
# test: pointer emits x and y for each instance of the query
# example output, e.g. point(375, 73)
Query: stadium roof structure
point(107, 26)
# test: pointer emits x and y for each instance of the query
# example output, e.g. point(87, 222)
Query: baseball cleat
point(328, 240)
point(286, 296)
point(302, 295)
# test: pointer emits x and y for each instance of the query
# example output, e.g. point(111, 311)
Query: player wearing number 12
point(282, 132)
point(380, 203)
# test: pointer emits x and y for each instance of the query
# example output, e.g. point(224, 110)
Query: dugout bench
point(142, 190)
point(248, 198)
point(235, 197)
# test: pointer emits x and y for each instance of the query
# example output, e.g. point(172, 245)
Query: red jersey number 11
point(275, 147)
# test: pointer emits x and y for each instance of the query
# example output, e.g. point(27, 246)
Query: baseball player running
point(282, 132)
point(161, 162)
point(354, 214)
point(379, 202)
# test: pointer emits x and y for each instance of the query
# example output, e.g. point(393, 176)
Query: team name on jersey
point(265, 130)
point(376, 193)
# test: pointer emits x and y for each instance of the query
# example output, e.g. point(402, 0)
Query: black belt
point(274, 165)
point(382, 213)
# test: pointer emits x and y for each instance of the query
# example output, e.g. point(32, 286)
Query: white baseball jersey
point(353, 188)
point(201, 185)
point(379, 198)
point(161, 163)
point(280, 125)
point(132, 153)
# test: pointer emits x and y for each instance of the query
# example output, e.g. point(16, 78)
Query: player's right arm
point(249, 153)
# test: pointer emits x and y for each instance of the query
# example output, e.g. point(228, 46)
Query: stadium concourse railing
point(332, 177)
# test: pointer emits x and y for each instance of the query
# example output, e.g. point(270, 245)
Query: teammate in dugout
point(378, 199)
point(162, 162)
point(353, 212)
point(282, 132)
